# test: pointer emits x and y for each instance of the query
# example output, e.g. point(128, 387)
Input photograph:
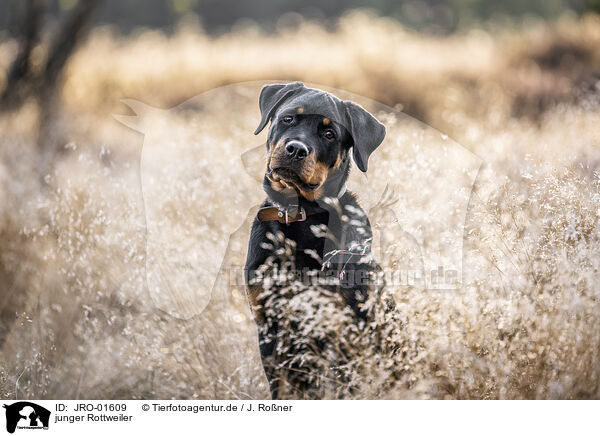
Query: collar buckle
point(291, 214)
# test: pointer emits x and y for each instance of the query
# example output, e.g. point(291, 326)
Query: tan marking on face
point(318, 176)
point(276, 153)
point(319, 173)
point(312, 195)
point(338, 161)
point(299, 110)
point(276, 184)
point(311, 172)
point(326, 121)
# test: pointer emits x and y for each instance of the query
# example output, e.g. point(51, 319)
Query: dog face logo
point(26, 415)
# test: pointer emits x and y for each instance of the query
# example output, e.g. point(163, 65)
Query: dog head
point(310, 139)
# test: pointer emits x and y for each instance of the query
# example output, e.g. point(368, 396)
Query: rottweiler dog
point(311, 140)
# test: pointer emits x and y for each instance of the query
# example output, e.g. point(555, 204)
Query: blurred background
point(523, 56)
point(515, 82)
point(223, 16)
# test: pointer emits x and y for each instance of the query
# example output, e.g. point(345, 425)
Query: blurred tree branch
point(29, 79)
point(25, 81)
point(66, 39)
point(20, 70)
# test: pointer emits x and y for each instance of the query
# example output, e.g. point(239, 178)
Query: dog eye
point(288, 119)
point(329, 134)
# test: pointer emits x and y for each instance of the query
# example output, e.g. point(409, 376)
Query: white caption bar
point(152, 417)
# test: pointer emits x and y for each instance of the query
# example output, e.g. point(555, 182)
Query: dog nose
point(296, 150)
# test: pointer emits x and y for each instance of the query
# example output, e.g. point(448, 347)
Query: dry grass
point(79, 321)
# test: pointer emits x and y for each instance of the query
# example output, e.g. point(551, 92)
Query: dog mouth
point(289, 176)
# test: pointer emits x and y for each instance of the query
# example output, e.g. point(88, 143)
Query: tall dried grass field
point(79, 317)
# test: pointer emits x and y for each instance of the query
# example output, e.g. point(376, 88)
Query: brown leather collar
point(291, 214)
point(287, 215)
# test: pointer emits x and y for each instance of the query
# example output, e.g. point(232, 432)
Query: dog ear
point(271, 96)
point(367, 133)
